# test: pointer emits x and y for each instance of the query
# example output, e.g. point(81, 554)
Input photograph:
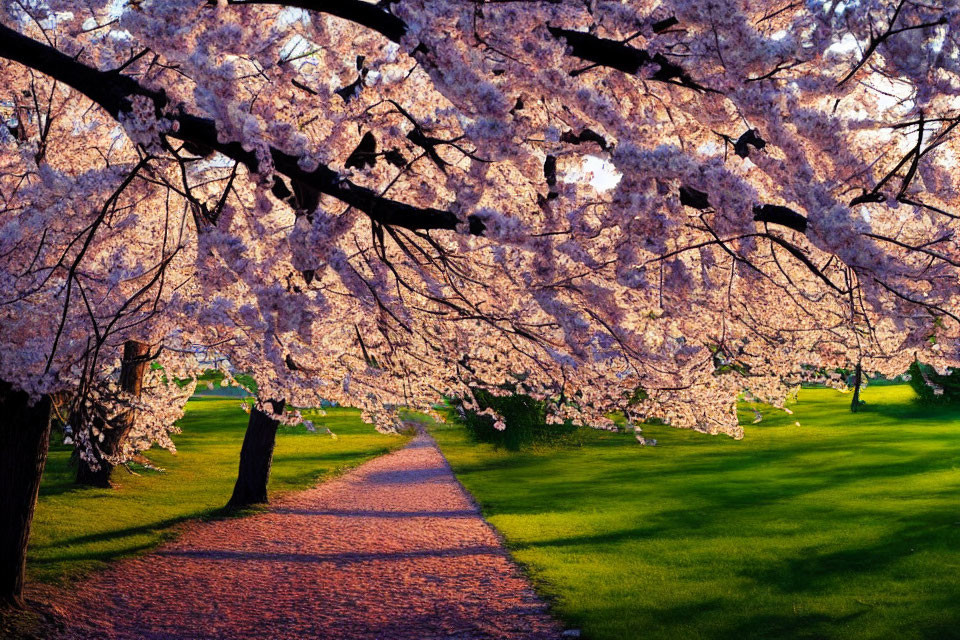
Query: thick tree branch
point(365, 14)
point(114, 91)
point(601, 52)
point(768, 213)
point(785, 217)
point(621, 56)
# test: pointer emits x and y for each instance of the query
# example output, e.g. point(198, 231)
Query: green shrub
point(920, 374)
point(526, 423)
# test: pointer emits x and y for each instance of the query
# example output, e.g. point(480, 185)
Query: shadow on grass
point(719, 484)
point(712, 620)
point(341, 455)
point(842, 526)
point(164, 528)
point(796, 625)
point(914, 411)
point(815, 570)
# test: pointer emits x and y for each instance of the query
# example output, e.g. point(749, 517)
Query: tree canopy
point(644, 206)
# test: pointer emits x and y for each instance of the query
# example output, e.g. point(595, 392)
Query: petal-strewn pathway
point(394, 550)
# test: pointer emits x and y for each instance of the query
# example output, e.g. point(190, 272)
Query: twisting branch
point(621, 56)
point(602, 52)
point(913, 157)
point(366, 14)
point(114, 93)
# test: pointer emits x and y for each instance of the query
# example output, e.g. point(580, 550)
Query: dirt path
point(394, 550)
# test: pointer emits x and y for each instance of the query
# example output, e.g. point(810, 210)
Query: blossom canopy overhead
point(649, 206)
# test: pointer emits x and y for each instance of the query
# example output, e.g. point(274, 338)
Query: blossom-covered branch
point(114, 92)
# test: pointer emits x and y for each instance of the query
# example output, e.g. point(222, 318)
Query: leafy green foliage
point(526, 423)
point(921, 377)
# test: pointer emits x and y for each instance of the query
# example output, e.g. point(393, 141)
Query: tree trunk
point(256, 456)
point(857, 379)
point(24, 439)
point(132, 369)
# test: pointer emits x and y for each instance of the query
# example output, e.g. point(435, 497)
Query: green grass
point(847, 526)
point(77, 530)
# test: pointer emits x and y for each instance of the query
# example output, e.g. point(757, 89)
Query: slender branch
point(876, 41)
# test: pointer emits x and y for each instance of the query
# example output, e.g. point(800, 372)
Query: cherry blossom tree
point(122, 411)
point(650, 207)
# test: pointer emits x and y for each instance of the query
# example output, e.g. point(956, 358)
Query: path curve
point(394, 549)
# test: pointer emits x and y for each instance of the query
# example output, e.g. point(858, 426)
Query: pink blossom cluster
point(383, 206)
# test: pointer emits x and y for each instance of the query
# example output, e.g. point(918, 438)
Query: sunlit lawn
point(847, 526)
point(77, 530)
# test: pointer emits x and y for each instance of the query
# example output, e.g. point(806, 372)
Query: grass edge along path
point(846, 526)
point(78, 530)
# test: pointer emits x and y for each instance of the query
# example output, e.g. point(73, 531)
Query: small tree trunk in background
point(132, 369)
point(256, 456)
point(24, 439)
point(857, 379)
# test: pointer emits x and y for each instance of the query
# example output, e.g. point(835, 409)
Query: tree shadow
point(336, 558)
point(914, 411)
point(371, 513)
point(409, 476)
point(814, 570)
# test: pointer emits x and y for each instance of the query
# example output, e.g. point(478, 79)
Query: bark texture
point(24, 440)
point(857, 380)
point(136, 359)
point(256, 457)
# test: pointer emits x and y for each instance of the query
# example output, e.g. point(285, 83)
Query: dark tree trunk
point(857, 379)
point(132, 369)
point(256, 456)
point(24, 439)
